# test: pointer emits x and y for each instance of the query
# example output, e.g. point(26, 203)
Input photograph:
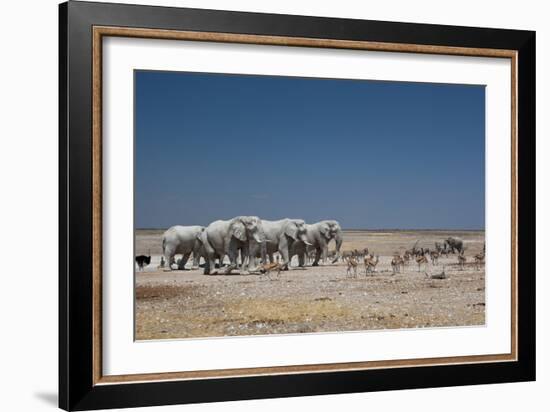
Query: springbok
point(479, 260)
point(434, 255)
point(397, 264)
point(352, 266)
point(267, 268)
point(461, 260)
point(421, 260)
point(370, 263)
point(407, 257)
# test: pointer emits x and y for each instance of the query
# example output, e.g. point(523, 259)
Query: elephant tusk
point(258, 239)
point(307, 243)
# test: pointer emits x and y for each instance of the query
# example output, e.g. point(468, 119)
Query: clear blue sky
point(369, 154)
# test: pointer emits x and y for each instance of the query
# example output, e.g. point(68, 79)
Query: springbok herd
point(419, 256)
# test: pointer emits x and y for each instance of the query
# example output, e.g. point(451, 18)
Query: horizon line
point(366, 229)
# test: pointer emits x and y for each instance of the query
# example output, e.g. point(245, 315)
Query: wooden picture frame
point(82, 385)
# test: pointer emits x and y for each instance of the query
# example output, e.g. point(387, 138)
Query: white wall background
point(28, 181)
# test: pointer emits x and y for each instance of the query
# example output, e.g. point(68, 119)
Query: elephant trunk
point(339, 240)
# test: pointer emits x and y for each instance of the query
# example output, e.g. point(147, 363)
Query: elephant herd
point(251, 238)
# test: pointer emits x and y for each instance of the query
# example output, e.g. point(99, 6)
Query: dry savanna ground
point(188, 304)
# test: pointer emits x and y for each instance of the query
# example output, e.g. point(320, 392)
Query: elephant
point(183, 240)
point(280, 235)
point(319, 235)
point(228, 237)
point(455, 243)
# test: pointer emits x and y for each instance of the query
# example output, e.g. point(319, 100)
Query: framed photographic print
point(257, 205)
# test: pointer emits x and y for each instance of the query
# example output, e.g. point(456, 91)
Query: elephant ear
point(238, 230)
point(291, 230)
point(201, 236)
point(325, 230)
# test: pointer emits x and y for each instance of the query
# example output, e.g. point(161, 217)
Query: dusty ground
point(188, 304)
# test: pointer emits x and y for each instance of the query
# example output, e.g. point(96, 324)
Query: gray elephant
point(319, 235)
point(455, 243)
point(280, 235)
point(182, 240)
point(229, 237)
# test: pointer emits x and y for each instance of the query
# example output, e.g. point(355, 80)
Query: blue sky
point(369, 154)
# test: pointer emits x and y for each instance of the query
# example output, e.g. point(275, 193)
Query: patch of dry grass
point(286, 311)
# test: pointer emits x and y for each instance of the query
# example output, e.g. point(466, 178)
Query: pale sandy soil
point(188, 304)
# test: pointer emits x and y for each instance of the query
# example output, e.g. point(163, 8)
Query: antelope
point(267, 268)
point(407, 257)
point(397, 264)
point(434, 256)
point(413, 251)
point(421, 260)
point(461, 260)
point(346, 254)
point(419, 252)
point(363, 253)
point(352, 266)
point(479, 260)
point(370, 263)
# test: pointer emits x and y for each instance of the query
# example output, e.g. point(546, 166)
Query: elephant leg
point(324, 254)
point(209, 264)
point(197, 251)
point(246, 257)
point(263, 255)
point(283, 250)
point(246, 262)
point(253, 263)
point(317, 257)
point(301, 260)
point(183, 261)
point(233, 254)
point(240, 260)
point(196, 260)
point(169, 253)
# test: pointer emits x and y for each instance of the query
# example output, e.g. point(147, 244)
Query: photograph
point(261, 205)
point(288, 205)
